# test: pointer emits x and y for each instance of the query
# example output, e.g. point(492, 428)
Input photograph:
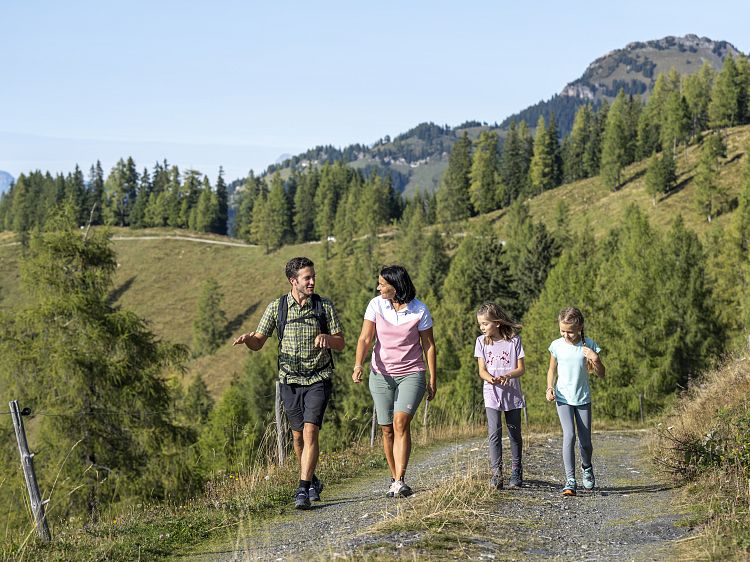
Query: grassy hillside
point(160, 279)
point(589, 201)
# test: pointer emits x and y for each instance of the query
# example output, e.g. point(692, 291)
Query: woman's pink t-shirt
point(398, 349)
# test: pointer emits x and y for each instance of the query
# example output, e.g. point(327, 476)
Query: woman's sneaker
point(400, 490)
point(301, 499)
point(316, 487)
point(570, 487)
point(516, 478)
point(588, 478)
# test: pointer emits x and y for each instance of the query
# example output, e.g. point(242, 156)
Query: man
point(305, 365)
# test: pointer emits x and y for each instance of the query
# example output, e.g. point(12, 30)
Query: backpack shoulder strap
point(320, 313)
point(281, 317)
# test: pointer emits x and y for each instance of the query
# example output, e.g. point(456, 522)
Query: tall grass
point(705, 442)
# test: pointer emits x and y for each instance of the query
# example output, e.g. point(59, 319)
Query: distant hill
point(6, 180)
point(416, 159)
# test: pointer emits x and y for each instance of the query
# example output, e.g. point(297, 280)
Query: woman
point(403, 327)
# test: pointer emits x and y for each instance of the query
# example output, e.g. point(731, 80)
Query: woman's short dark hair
point(295, 264)
point(397, 276)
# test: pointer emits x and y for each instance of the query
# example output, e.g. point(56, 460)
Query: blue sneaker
point(301, 499)
point(570, 487)
point(588, 478)
point(315, 489)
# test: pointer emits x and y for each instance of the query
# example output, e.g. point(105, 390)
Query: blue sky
point(238, 84)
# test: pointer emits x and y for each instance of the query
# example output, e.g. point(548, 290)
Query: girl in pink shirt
point(500, 358)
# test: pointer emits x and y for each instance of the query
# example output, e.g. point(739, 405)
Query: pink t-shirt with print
point(398, 350)
point(500, 357)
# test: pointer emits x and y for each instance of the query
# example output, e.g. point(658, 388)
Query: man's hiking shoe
point(315, 489)
point(588, 478)
point(301, 499)
point(516, 478)
point(497, 481)
point(399, 490)
point(570, 487)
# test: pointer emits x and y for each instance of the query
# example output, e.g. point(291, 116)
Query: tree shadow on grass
point(236, 323)
point(117, 292)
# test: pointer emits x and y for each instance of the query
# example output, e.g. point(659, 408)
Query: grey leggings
point(495, 440)
point(581, 415)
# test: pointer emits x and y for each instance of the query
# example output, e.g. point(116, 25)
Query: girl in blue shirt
point(572, 357)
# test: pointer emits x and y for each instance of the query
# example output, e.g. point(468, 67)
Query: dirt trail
point(631, 516)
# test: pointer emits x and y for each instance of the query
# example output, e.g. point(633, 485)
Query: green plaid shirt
point(298, 355)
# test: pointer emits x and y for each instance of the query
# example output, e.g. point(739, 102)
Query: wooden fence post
point(372, 429)
point(27, 463)
point(280, 428)
point(640, 405)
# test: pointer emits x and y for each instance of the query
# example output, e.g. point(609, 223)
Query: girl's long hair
point(508, 328)
point(573, 316)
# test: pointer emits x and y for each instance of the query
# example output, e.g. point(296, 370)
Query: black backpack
point(320, 315)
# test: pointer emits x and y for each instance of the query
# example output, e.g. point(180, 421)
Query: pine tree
point(724, 107)
point(209, 326)
point(484, 173)
point(541, 169)
point(697, 90)
point(96, 366)
point(615, 143)
point(207, 209)
point(138, 214)
point(95, 194)
point(75, 195)
point(661, 175)
point(514, 166)
point(711, 197)
point(675, 128)
point(198, 403)
point(121, 187)
point(304, 206)
point(221, 220)
point(453, 203)
point(574, 164)
point(189, 194)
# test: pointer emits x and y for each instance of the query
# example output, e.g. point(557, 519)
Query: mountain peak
point(635, 67)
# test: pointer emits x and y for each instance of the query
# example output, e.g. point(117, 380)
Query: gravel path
point(631, 516)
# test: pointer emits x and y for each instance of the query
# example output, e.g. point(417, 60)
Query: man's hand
point(243, 338)
point(323, 341)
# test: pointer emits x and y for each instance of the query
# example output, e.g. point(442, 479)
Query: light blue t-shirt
point(572, 377)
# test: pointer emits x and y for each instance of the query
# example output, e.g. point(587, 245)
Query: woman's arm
point(363, 345)
point(551, 372)
point(428, 347)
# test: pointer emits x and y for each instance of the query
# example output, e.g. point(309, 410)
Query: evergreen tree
point(675, 128)
point(95, 194)
point(304, 206)
point(189, 195)
point(484, 173)
point(724, 107)
point(531, 251)
point(711, 196)
point(209, 326)
point(514, 165)
point(75, 195)
point(697, 90)
point(661, 175)
point(453, 202)
point(121, 188)
point(99, 368)
point(197, 404)
point(574, 164)
point(138, 214)
point(541, 169)
point(221, 220)
point(615, 148)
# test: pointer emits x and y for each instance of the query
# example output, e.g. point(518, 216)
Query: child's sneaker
point(570, 487)
point(516, 478)
point(497, 481)
point(588, 478)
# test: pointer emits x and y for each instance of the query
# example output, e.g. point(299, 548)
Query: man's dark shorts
point(306, 404)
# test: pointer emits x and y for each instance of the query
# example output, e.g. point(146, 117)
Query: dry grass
point(706, 441)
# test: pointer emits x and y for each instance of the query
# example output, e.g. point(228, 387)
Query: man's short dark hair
point(295, 264)
point(397, 276)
